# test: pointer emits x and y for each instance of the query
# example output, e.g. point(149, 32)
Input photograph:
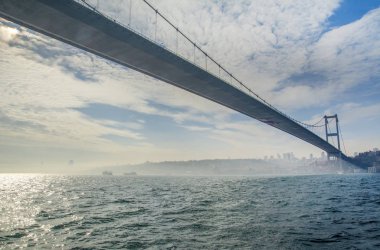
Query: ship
point(130, 174)
point(107, 173)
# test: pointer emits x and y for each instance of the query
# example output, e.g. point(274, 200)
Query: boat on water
point(107, 173)
point(130, 174)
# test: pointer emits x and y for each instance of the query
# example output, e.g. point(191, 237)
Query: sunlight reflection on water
point(189, 212)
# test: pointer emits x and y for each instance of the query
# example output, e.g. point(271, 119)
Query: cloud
point(359, 113)
point(341, 59)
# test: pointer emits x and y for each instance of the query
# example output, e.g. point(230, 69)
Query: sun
point(8, 33)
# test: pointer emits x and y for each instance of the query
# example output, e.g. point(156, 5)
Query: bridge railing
point(142, 18)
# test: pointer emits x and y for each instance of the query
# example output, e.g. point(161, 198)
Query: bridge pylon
point(334, 133)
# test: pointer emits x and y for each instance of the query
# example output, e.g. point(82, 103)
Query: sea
point(153, 212)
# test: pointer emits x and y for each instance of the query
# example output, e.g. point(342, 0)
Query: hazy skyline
point(63, 109)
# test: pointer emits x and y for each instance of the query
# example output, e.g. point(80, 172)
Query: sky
point(65, 110)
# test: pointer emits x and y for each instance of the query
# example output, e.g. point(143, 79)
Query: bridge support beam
point(334, 133)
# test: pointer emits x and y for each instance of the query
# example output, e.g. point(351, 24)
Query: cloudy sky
point(64, 110)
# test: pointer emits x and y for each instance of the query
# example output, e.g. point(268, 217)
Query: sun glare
point(8, 33)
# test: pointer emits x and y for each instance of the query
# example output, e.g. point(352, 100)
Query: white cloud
point(343, 58)
point(359, 113)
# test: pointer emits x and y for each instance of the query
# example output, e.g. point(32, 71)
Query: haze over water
point(103, 212)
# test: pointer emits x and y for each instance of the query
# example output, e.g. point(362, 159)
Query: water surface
point(102, 212)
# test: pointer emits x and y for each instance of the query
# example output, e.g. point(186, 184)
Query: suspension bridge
point(140, 39)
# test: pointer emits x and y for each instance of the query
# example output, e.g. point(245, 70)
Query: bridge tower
point(334, 133)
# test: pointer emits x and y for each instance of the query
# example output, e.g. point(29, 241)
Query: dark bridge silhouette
point(81, 26)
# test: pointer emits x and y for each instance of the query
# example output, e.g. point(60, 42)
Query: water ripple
point(84, 212)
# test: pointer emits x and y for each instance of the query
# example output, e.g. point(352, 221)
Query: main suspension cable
point(341, 135)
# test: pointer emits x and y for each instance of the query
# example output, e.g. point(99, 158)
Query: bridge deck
point(74, 24)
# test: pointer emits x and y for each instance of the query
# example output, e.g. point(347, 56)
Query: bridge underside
point(74, 24)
